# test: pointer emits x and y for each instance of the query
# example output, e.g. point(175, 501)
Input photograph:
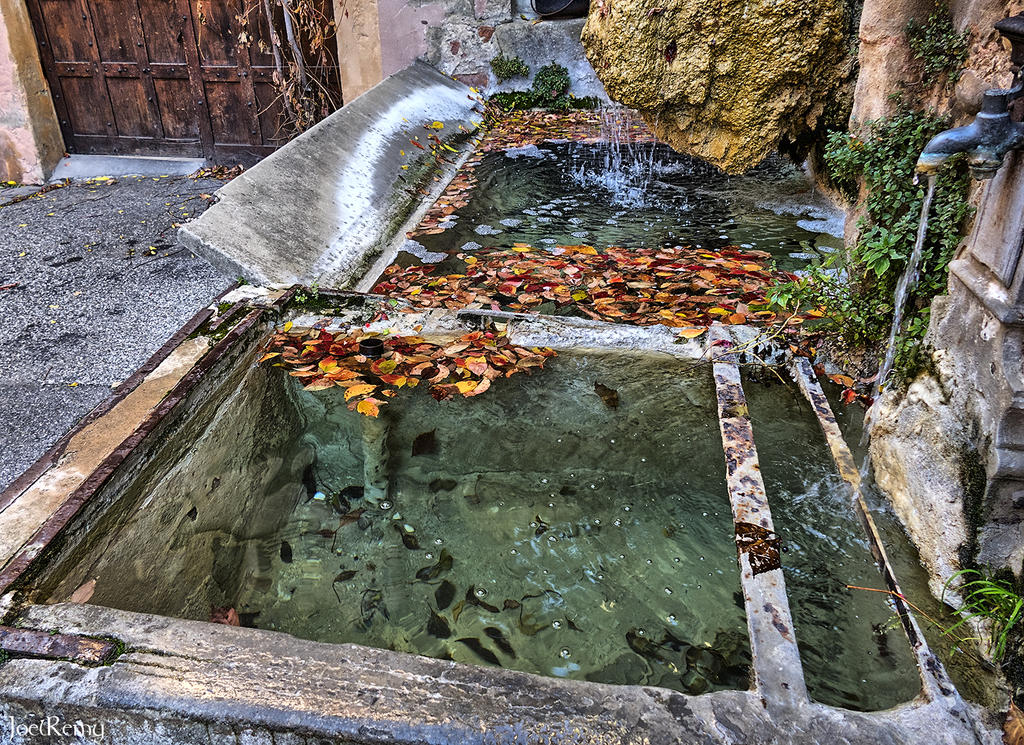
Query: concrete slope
point(324, 205)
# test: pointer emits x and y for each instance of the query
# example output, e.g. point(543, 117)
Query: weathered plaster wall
point(377, 38)
point(30, 139)
point(890, 77)
point(358, 40)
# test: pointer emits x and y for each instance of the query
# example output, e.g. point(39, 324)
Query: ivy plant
point(856, 287)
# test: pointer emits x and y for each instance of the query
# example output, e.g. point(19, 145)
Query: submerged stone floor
point(93, 283)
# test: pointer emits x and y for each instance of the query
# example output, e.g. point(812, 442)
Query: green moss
point(506, 68)
point(550, 90)
point(973, 482)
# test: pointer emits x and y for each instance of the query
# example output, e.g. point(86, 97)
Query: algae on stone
point(729, 82)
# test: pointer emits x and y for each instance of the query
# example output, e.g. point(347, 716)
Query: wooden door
point(161, 77)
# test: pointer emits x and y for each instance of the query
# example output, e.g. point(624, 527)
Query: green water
point(599, 537)
point(578, 533)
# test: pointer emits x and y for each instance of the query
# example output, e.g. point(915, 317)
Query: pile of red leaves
point(466, 365)
point(671, 286)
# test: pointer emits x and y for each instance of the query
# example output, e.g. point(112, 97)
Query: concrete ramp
point(324, 205)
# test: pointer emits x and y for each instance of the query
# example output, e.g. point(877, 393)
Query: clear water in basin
point(537, 527)
point(552, 525)
point(564, 194)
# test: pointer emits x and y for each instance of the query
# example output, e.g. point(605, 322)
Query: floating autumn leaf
point(324, 360)
point(369, 407)
point(844, 380)
point(358, 390)
point(674, 286)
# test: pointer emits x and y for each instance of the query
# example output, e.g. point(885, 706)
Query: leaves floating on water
point(226, 616)
point(609, 396)
point(457, 610)
point(444, 594)
point(760, 545)
point(675, 286)
point(323, 360)
point(444, 564)
point(540, 525)
point(480, 650)
point(425, 444)
point(351, 517)
point(473, 599)
point(345, 575)
point(511, 604)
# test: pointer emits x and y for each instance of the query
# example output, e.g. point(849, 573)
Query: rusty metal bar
point(934, 679)
point(778, 673)
point(80, 649)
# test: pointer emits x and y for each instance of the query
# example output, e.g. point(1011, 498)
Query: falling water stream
point(903, 288)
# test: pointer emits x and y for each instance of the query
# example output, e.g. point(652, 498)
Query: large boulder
point(727, 81)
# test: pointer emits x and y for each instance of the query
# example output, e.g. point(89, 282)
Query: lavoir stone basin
point(591, 591)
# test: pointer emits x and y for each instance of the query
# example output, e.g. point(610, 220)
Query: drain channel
point(934, 679)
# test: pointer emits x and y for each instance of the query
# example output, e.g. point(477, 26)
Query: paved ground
point(99, 285)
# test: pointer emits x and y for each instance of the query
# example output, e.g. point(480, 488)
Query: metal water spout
point(993, 133)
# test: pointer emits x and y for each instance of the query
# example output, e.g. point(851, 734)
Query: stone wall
point(459, 37)
point(948, 450)
point(30, 139)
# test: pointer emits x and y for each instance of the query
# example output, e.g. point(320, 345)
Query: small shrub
point(855, 288)
point(551, 86)
point(937, 44)
point(506, 68)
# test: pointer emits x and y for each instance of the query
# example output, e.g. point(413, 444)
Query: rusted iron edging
point(778, 672)
point(76, 648)
point(934, 679)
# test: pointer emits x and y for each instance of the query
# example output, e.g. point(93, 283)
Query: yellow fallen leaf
point(466, 386)
point(691, 332)
point(359, 390)
point(269, 356)
point(288, 327)
point(368, 407)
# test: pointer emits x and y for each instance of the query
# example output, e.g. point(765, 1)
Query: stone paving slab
point(91, 299)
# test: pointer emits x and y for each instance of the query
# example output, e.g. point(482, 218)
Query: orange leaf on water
point(359, 390)
point(691, 332)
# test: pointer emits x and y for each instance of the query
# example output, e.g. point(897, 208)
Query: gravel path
point(92, 283)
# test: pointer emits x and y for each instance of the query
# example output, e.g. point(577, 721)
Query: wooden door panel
point(215, 31)
point(63, 26)
point(230, 121)
point(163, 27)
point(178, 111)
point(114, 38)
point(132, 115)
point(85, 118)
point(161, 75)
point(270, 111)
